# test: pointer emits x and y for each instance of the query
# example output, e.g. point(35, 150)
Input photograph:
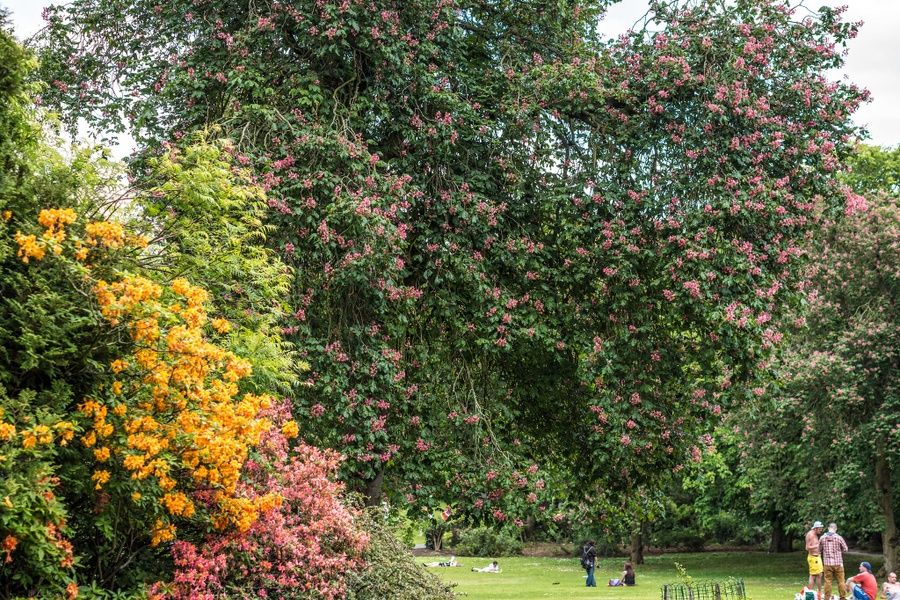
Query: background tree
point(831, 427)
point(846, 370)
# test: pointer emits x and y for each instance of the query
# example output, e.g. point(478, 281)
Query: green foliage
point(38, 556)
point(203, 216)
point(391, 572)
point(18, 132)
point(488, 541)
point(874, 170)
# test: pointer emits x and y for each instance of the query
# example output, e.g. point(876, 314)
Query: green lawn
point(766, 576)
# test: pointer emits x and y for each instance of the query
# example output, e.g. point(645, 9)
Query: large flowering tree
point(516, 242)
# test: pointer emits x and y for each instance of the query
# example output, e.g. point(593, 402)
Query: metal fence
point(730, 589)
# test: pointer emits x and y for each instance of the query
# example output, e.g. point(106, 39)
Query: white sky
point(873, 63)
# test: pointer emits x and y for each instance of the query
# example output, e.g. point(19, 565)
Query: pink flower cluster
point(300, 549)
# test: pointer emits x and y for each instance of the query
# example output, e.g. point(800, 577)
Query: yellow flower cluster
point(162, 532)
point(29, 247)
point(175, 407)
point(54, 222)
point(106, 234)
point(127, 296)
point(178, 504)
point(242, 513)
point(101, 477)
point(38, 435)
point(290, 429)
point(221, 325)
point(7, 430)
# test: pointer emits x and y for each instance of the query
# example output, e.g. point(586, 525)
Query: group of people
point(825, 556)
point(589, 564)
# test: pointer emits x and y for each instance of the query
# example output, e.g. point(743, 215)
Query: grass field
point(766, 576)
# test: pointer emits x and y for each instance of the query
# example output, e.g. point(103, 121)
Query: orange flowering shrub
point(134, 400)
point(174, 420)
point(172, 430)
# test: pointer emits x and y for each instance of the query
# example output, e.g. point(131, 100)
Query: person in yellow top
point(814, 559)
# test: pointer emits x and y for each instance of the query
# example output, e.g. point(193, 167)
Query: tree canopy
point(514, 244)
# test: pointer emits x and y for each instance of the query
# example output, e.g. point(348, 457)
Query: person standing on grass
point(832, 547)
point(863, 586)
point(589, 562)
point(813, 559)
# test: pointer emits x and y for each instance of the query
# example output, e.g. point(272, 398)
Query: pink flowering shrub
point(302, 547)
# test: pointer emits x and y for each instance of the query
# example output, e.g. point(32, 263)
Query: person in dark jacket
point(589, 562)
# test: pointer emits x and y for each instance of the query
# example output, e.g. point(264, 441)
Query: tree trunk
point(437, 538)
point(890, 540)
point(780, 541)
point(637, 544)
point(530, 525)
point(373, 489)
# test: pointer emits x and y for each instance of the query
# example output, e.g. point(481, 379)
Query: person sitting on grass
point(863, 586)
point(494, 567)
point(891, 589)
point(626, 579)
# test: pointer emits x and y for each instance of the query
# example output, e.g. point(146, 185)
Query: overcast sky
point(873, 63)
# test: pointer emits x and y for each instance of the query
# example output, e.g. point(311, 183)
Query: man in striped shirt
point(832, 547)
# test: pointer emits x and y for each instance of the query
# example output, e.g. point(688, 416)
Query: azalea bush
point(167, 432)
point(305, 546)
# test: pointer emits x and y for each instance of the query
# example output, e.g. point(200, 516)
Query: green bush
point(682, 539)
point(391, 571)
point(484, 541)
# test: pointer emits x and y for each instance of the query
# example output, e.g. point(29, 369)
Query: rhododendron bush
point(515, 243)
point(171, 436)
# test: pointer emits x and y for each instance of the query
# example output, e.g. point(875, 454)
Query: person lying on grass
point(494, 567)
point(444, 563)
